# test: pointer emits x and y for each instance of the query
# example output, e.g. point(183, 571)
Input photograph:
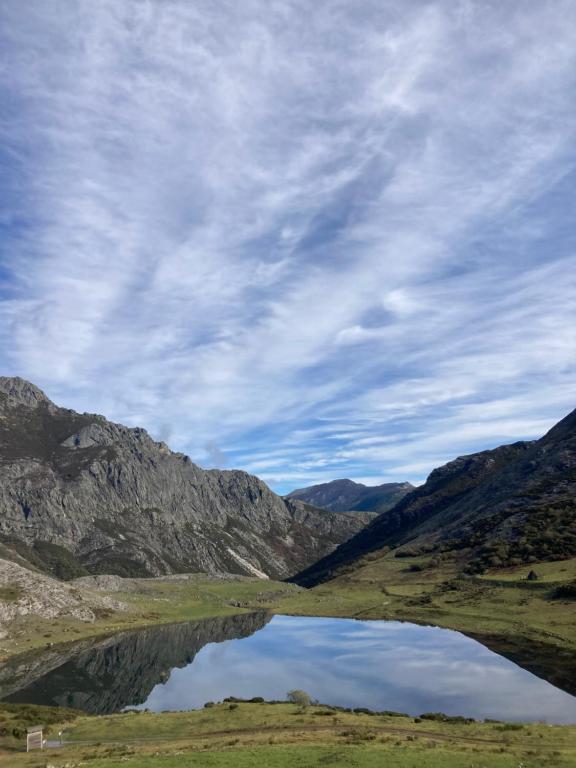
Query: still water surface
point(376, 664)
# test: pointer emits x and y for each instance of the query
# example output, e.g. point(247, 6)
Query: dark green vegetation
point(280, 735)
point(565, 592)
point(512, 505)
point(45, 556)
point(16, 718)
point(347, 496)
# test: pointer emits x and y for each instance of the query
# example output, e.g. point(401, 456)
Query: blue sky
point(309, 240)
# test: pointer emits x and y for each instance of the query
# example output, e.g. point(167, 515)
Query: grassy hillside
point(531, 622)
point(283, 735)
point(153, 601)
point(509, 506)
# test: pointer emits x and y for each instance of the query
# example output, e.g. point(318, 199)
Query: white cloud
point(251, 224)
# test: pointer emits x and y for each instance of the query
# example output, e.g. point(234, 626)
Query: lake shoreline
point(244, 734)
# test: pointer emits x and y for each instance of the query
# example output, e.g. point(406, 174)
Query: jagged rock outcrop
point(514, 504)
point(24, 592)
point(110, 674)
point(79, 494)
point(349, 496)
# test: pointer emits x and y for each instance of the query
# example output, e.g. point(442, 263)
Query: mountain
point(511, 505)
point(348, 496)
point(80, 494)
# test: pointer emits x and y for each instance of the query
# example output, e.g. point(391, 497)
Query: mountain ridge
point(85, 495)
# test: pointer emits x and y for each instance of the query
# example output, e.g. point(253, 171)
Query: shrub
point(299, 697)
point(565, 592)
point(442, 718)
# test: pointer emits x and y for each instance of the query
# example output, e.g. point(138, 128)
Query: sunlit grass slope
point(283, 735)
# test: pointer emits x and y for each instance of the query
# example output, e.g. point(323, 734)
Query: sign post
point(34, 738)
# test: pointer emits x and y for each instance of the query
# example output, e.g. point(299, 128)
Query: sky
point(307, 240)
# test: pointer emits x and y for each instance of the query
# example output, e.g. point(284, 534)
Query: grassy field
point(284, 735)
point(555, 571)
point(156, 602)
point(420, 589)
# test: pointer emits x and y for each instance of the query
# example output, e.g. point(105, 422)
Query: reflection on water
point(375, 664)
point(118, 671)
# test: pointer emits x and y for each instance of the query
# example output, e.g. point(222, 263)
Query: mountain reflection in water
point(121, 670)
point(375, 664)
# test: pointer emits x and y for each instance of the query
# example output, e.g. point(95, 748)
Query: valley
point(121, 562)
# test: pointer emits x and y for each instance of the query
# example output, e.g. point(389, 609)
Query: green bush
point(565, 592)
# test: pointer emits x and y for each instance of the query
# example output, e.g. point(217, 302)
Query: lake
point(382, 665)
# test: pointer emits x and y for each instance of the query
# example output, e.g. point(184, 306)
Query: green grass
point(10, 593)
point(282, 735)
point(555, 571)
point(156, 603)
point(333, 756)
point(499, 605)
point(386, 588)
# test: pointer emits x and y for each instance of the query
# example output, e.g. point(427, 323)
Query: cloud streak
point(293, 232)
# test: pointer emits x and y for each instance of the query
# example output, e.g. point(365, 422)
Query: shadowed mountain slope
point(348, 496)
point(506, 506)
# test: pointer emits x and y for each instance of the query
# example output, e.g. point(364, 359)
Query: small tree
point(299, 697)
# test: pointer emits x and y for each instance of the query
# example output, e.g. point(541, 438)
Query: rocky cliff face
point(80, 494)
point(348, 496)
point(108, 675)
point(510, 505)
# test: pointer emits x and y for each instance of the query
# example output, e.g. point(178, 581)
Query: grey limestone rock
point(84, 495)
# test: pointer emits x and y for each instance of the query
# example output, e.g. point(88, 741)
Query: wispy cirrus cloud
point(320, 241)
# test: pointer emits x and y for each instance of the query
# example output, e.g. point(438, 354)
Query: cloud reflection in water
point(375, 664)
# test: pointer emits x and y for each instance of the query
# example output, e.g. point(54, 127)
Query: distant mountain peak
point(23, 391)
point(344, 495)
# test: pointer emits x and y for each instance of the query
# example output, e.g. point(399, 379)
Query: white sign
point(34, 739)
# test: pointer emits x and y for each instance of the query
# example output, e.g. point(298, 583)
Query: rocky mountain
point(507, 506)
point(348, 496)
point(80, 494)
point(112, 673)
